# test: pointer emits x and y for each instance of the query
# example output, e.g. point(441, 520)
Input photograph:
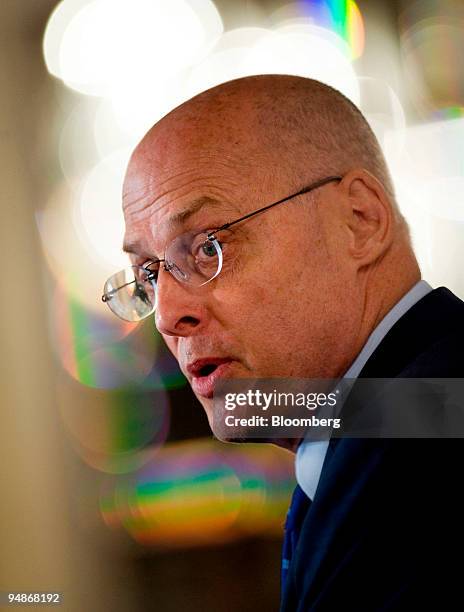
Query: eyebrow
point(177, 219)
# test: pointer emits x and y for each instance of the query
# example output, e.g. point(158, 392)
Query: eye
point(205, 256)
point(205, 252)
point(152, 270)
point(209, 249)
point(201, 248)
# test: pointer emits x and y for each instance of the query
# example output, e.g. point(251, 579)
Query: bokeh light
point(383, 110)
point(68, 250)
point(301, 49)
point(432, 46)
point(446, 227)
point(342, 17)
point(305, 50)
point(98, 217)
point(429, 182)
point(77, 154)
point(110, 134)
point(58, 22)
point(202, 492)
point(78, 334)
point(227, 60)
point(114, 431)
point(112, 41)
point(135, 109)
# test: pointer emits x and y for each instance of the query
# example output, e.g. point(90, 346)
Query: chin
point(237, 435)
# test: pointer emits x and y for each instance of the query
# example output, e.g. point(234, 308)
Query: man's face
point(280, 306)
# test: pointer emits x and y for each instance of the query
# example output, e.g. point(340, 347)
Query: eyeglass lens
point(191, 258)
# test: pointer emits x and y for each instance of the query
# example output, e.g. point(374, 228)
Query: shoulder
point(426, 341)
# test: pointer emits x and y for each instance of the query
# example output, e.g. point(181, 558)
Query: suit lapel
point(350, 466)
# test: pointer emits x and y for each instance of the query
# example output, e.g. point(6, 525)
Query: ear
point(368, 215)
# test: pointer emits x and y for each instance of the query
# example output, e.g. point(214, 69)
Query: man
point(322, 284)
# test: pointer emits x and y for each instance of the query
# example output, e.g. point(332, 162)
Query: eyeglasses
point(194, 258)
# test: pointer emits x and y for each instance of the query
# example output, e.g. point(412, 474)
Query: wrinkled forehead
point(193, 165)
point(163, 200)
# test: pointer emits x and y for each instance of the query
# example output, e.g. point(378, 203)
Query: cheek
point(279, 301)
point(257, 312)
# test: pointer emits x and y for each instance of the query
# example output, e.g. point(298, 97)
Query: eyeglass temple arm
point(315, 185)
point(109, 295)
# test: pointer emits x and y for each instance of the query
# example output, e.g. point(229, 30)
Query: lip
point(204, 385)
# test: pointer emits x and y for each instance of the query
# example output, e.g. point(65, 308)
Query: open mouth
point(208, 369)
point(206, 372)
point(204, 367)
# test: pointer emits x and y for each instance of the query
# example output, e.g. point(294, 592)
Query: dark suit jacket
point(385, 528)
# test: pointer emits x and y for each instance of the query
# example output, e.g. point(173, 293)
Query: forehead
point(185, 170)
point(160, 205)
point(175, 220)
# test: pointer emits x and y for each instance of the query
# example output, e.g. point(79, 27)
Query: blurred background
point(113, 490)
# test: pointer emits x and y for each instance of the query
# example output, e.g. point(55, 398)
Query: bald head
point(337, 258)
point(293, 127)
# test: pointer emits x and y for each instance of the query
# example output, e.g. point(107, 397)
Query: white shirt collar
point(311, 454)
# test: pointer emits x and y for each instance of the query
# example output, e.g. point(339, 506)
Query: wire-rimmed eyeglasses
point(194, 258)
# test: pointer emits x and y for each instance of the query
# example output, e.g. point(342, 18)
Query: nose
point(180, 310)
